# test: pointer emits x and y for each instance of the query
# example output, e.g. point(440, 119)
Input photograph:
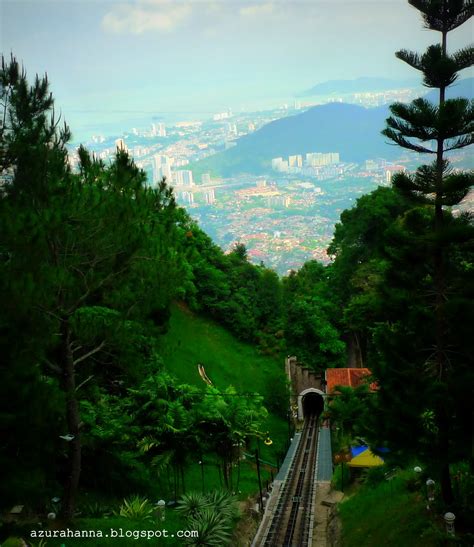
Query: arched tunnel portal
point(310, 401)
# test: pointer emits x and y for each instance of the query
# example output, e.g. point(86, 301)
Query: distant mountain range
point(351, 130)
point(359, 85)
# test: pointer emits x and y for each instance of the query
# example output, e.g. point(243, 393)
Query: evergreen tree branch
point(461, 142)
point(411, 58)
point(464, 58)
point(89, 353)
point(444, 15)
point(401, 141)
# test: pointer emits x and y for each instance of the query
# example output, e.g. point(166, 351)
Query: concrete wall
point(303, 380)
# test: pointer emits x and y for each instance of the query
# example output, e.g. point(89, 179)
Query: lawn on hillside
point(193, 340)
point(387, 514)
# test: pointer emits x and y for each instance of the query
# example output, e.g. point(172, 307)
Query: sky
point(109, 60)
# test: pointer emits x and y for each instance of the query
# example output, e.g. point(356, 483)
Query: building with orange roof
point(350, 377)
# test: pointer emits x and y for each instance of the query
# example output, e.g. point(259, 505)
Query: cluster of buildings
point(157, 130)
point(162, 168)
point(379, 98)
point(222, 116)
point(383, 169)
point(310, 165)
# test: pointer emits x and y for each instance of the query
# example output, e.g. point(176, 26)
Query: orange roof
point(351, 377)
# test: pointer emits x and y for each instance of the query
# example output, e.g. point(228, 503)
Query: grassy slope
point(191, 340)
point(386, 514)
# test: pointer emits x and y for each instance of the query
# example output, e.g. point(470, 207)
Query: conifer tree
point(449, 124)
point(73, 244)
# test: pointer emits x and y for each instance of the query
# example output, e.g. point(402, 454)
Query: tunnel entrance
point(313, 404)
point(310, 401)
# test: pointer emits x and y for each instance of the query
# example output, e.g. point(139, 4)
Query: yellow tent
point(366, 459)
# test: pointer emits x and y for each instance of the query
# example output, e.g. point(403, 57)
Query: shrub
point(338, 476)
point(224, 503)
point(95, 510)
point(213, 529)
point(136, 508)
point(190, 505)
point(374, 475)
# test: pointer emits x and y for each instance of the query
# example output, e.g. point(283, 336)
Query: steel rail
point(290, 523)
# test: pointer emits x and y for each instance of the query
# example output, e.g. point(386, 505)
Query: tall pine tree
point(72, 246)
point(449, 124)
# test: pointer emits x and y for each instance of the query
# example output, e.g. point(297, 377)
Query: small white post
point(161, 508)
point(449, 519)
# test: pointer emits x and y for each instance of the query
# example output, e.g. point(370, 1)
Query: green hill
point(193, 340)
point(351, 130)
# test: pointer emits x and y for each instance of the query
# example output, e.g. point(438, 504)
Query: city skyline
point(113, 61)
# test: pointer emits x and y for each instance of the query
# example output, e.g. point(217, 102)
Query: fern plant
point(95, 510)
point(192, 504)
point(213, 529)
point(136, 508)
point(223, 502)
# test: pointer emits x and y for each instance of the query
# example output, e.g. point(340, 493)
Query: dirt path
point(326, 531)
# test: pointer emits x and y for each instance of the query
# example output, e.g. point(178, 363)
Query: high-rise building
point(295, 161)
point(187, 197)
point(276, 163)
point(164, 171)
point(210, 197)
point(162, 168)
point(158, 130)
point(318, 159)
point(184, 178)
point(206, 178)
point(159, 160)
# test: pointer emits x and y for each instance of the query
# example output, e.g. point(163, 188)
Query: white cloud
point(256, 10)
point(146, 15)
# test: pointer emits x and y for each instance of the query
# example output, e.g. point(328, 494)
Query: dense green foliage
point(245, 298)
point(310, 321)
point(387, 513)
point(100, 394)
point(403, 275)
point(91, 260)
point(211, 515)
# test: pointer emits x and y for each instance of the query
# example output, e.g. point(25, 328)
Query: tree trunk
point(446, 486)
point(445, 475)
point(440, 304)
point(182, 479)
point(238, 474)
point(175, 483)
point(73, 423)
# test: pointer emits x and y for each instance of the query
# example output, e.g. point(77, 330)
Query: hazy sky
point(158, 55)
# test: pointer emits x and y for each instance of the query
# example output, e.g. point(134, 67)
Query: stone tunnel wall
point(301, 379)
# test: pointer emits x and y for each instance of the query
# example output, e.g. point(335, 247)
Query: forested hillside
point(95, 404)
point(112, 296)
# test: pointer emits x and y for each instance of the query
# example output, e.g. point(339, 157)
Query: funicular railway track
point(290, 526)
